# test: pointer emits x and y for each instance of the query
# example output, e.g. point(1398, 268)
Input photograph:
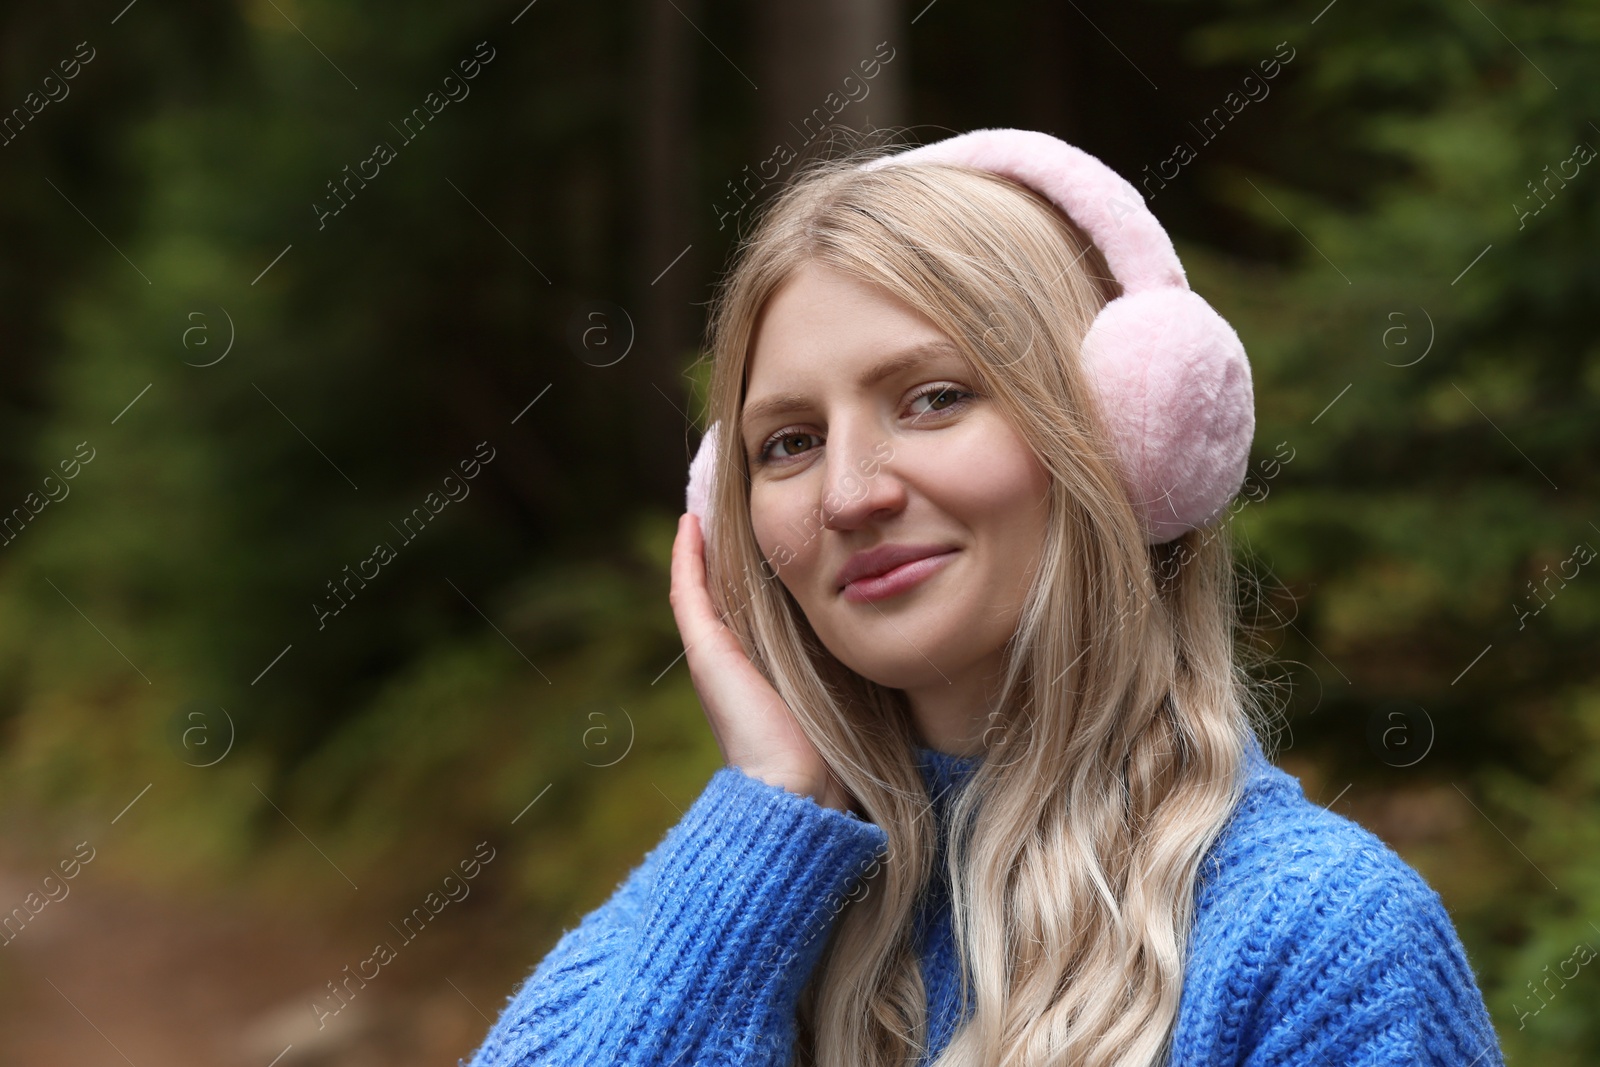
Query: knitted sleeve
point(1376, 977)
point(1334, 951)
point(699, 956)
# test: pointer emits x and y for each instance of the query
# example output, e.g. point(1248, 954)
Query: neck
point(952, 714)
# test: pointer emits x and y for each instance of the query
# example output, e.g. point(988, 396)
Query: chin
point(910, 671)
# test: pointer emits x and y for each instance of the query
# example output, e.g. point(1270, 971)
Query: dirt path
point(114, 975)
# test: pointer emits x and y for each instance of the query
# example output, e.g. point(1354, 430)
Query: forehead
point(822, 321)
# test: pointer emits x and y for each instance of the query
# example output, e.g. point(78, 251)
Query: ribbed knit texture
point(1313, 942)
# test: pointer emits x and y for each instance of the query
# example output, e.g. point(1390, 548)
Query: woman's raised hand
point(753, 727)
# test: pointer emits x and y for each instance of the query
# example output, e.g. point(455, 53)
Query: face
point(885, 443)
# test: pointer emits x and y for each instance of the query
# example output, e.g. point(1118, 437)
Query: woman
point(961, 618)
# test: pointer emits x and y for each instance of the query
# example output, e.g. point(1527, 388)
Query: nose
point(859, 482)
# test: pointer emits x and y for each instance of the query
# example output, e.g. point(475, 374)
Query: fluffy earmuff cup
point(1175, 390)
point(701, 477)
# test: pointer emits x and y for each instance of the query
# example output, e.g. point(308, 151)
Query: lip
point(876, 568)
point(897, 580)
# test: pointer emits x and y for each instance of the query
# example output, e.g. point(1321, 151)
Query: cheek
point(1000, 481)
point(779, 522)
point(1025, 487)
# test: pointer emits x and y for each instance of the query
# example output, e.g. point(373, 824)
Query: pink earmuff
point(1171, 374)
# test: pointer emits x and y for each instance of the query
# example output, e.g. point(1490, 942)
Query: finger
point(709, 643)
point(691, 603)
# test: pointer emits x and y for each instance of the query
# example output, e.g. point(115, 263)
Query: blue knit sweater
point(1313, 943)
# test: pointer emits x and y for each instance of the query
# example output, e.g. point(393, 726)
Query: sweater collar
point(943, 772)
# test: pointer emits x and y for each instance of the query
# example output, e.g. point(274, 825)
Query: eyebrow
point(915, 356)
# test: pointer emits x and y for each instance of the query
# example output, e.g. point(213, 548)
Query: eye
point(954, 396)
point(762, 457)
point(950, 396)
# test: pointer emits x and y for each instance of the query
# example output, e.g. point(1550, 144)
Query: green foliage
point(1428, 490)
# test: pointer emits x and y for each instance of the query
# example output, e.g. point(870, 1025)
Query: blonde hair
point(1114, 748)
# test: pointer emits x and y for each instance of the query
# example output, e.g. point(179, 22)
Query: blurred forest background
point(224, 382)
